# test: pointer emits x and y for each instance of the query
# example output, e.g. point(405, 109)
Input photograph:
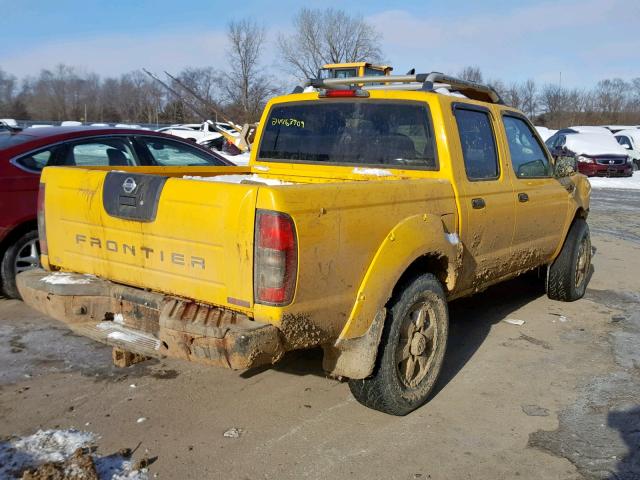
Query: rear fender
point(354, 353)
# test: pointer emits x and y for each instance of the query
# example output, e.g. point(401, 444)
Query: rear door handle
point(478, 203)
point(523, 197)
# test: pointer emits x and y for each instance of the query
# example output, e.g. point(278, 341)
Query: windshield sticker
point(288, 122)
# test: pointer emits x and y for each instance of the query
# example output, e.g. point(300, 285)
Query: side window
point(478, 144)
point(624, 141)
point(527, 156)
point(169, 153)
point(36, 161)
point(551, 141)
point(114, 152)
point(561, 140)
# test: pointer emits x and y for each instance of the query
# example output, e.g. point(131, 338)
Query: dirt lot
point(558, 397)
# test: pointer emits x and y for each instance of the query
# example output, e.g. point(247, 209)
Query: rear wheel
point(411, 350)
point(24, 254)
point(569, 274)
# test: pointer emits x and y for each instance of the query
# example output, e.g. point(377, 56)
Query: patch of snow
point(18, 454)
point(261, 168)
point(233, 433)
point(122, 336)
point(590, 129)
point(594, 143)
point(452, 238)
point(253, 178)
point(629, 183)
point(377, 172)
point(444, 90)
point(62, 278)
point(514, 321)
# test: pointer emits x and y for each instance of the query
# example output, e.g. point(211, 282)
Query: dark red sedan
point(24, 153)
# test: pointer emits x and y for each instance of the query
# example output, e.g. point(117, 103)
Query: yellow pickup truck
point(363, 211)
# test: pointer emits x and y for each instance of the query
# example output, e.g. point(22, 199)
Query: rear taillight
point(42, 229)
point(275, 258)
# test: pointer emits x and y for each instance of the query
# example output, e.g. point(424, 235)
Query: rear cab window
point(361, 133)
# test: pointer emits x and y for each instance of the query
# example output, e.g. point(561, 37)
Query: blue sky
point(586, 40)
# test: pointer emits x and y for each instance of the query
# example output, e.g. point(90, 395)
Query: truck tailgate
point(184, 237)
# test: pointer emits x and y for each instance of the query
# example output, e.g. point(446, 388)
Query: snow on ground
point(62, 278)
point(18, 454)
point(630, 183)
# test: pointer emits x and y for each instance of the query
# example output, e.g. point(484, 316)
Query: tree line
point(241, 90)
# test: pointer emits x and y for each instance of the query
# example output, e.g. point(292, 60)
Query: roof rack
point(423, 81)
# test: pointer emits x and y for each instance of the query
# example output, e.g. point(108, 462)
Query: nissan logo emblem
point(129, 185)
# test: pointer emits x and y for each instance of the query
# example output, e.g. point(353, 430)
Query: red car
point(24, 153)
point(597, 154)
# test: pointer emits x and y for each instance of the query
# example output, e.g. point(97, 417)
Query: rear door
point(486, 197)
point(542, 202)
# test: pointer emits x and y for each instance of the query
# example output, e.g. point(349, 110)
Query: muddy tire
point(569, 273)
point(411, 350)
point(23, 254)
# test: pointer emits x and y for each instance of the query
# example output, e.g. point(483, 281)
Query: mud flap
point(355, 358)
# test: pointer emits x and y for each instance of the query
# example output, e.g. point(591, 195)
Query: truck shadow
point(470, 321)
point(471, 318)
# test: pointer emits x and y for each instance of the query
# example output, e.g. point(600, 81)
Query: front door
point(542, 202)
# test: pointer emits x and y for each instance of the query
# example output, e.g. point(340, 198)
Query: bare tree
point(328, 36)
point(247, 86)
point(7, 89)
point(471, 74)
point(529, 94)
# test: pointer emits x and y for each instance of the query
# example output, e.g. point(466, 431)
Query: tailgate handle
point(523, 197)
point(478, 203)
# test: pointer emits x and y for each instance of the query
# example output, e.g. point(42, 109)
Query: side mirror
point(565, 166)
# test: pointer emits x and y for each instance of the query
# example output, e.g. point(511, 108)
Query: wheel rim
point(416, 345)
point(28, 256)
point(584, 260)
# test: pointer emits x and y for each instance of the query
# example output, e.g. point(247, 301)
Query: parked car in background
point(598, 153)
point(9, 122)
point(630, 140)
point(587, 129)
point(23, 155)
point(205, 132)
point(617, 128)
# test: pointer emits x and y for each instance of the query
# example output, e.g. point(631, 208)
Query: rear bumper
point(149, 323)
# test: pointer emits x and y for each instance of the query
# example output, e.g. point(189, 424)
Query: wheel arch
point(416, 246)
point(16, 232)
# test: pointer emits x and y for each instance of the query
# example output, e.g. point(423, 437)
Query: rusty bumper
point(150, 323)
